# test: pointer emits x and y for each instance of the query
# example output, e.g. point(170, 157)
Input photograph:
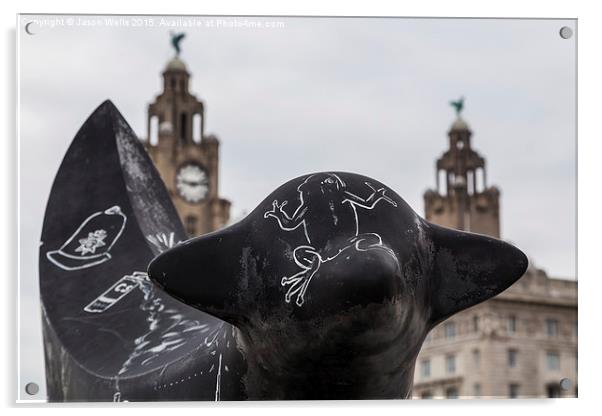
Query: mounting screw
point(32, 388)
point(29, 28)
point(566, 32)
point(565, 384)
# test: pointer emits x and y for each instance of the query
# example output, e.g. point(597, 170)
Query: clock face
point(192, 182)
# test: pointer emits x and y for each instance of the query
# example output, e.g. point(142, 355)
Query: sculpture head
point(333, 294)
point(321, 183)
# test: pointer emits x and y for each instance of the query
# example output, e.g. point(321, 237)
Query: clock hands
point(192, 183)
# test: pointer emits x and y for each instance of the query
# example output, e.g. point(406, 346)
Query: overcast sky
point(360, 95)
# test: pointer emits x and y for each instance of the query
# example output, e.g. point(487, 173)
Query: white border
point(589, 32)
point(18, 121)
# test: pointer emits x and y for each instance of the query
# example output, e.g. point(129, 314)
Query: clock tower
point(462, 199)
point(186, 158)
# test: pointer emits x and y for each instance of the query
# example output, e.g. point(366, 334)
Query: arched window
point(442, 182)
point(479, 183)
point(470, 182)
point(153, 134)
point(183, 127)
point(191, 223)
point(196, 127)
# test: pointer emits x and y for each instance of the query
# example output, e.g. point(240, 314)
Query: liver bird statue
point(176, 38)
point(458, 105)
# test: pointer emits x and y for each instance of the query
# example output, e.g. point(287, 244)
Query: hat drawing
point(91, 243)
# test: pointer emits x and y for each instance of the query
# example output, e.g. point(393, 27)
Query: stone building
point(462, 199)
point(521, 343)
point(186, 158)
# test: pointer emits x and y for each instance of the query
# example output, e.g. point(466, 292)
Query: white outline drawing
point(116, 292)
point(218, 380)
point(88, 244)
point(167, 330)
point(163, 241)
point(330, 192)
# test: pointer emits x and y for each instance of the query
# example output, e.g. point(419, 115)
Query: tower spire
point(177, 110)
point(186, 158)
point(462, 199)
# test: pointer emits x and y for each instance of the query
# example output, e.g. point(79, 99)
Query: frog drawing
point(327, 211)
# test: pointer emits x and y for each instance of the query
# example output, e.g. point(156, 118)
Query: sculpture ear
point(469, 269)
point(203, 273)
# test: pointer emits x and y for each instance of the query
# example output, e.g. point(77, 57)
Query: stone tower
point(186, 158)
point(462, 199)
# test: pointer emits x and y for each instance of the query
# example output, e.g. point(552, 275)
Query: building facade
point(187, 159)
point(521, 343)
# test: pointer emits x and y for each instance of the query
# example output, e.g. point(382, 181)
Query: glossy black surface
point(333, 282)
point(325, 291)
point(109, 333)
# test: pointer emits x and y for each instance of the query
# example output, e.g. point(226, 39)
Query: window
point(553, 390)
point(551, 327)
point(511, 324)
point(477, 390)
point(475, 323)
point(153, 134)
point(513, 390)
point(449, 329)
point(512, 357)
point(478, 178)
point(451, 393)
point(476, 358)
point(183, 127)
point(450, 364)
point(426, 395)
point(470, 182)
point(552, 360)
point(425, 368)
point(196, 128)
point(191, 225)
point(442, 182)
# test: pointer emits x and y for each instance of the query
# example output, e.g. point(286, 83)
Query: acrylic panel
point(324, 154)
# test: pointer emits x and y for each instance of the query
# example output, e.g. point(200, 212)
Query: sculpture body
point(333, 297)
point(109, 334)
point(325, 291)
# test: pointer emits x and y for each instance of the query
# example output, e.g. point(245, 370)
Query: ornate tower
point(186, 158)
point(462, 199)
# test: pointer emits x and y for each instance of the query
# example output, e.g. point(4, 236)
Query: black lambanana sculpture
point(325, 291)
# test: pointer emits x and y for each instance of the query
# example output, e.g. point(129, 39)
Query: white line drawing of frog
point(327, 211)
